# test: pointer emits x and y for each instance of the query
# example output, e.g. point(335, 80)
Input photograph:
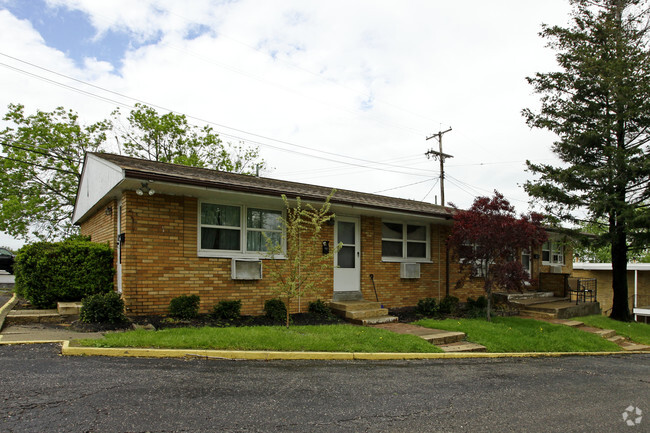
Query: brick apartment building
point(184, 230)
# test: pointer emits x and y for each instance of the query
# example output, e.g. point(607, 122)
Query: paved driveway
point(42, 391)
point(6, 278)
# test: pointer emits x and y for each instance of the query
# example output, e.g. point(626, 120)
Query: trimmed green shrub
point(276, 310)
point(476, 307)
point(68, 271)
point(427, 307)
point(102, 308)
point(320, 308)
point(227, 310)
point(449, 305)
point(185, 307)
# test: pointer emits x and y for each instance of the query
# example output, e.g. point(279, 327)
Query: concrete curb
point(6, 308)
point(69, 350)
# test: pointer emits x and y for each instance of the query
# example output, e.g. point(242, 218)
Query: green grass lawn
point(513, 334)
point(637, 332)
point(325, 338)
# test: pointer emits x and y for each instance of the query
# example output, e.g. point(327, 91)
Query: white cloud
point(366, 79)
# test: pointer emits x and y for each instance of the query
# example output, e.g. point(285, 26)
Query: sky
point(339, 93)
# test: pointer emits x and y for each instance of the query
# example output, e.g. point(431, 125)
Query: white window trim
point(552, 245)
point(404, 240)
point(241, 253)
point(477, 271)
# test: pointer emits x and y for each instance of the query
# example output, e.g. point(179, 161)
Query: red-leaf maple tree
point(487, 240)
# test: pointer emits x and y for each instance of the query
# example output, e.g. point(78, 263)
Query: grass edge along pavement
point(634, 331)
point(69, 349)
point(517, 335)
point(311, 338)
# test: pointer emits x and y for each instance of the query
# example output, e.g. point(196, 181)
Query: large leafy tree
point(40, 169)
point(42, 157)
point(170, 138)
point(598, 104)
point(488, 238)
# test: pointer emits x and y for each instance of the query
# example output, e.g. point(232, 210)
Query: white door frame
point(348, 279)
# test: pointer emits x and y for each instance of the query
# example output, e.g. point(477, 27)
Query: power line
point(404, 186)
point(431, 189)
point(192, 117)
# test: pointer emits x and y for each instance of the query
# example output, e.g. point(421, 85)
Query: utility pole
point(441, 156)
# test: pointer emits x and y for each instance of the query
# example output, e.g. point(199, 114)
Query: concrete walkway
point(38, 333)
point(448, 341)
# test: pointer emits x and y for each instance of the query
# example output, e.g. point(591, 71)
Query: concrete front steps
point(26, 317)
point(609, 334)
point(448, 341)
point(362, 312)
point(545, 306)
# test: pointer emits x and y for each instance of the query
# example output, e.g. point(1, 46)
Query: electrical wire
point(192, 117)
point(403, 186)
point(432, 186)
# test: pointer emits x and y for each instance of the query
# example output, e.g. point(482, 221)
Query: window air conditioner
point(556, 269)
point(410, 270)
point(246, 269)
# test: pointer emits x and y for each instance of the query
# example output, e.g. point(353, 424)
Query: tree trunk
point(620, 307)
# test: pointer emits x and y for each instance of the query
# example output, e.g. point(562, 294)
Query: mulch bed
point(163, 322)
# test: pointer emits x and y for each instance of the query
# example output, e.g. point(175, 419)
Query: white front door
point(347, 261)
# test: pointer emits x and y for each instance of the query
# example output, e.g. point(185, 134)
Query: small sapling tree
point(487, 239)
point(295, 271)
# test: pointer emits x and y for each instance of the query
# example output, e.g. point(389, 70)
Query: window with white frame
point(553, 253)
point(404, 241)
point(468, 249)
point(238, 229)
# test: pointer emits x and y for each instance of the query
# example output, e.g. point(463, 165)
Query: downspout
point(439, 267)
point(446, 268)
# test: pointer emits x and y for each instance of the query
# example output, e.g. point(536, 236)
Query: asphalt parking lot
point(43, 391)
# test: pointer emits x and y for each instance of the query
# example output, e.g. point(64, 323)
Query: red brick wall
point(160, 262)
point(102, 227)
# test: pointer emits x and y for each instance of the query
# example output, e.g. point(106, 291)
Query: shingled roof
point(135, 168)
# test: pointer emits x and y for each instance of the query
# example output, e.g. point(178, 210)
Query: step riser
point(354, 306)
point(464, 348)
point(374, 320)
point(538, 314)
point(444, 340)
point(364, 314)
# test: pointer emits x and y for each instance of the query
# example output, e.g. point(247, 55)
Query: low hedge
point(50, 272)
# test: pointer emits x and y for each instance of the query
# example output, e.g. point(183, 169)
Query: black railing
point(584, 289)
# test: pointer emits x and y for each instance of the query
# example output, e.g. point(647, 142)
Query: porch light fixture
point(144, 189)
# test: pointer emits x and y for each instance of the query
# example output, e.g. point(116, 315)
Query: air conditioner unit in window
point(246, 269)
point(556, 269)
point(410, 270)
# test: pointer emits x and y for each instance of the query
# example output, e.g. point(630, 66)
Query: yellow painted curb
point(8, 343)
point(272, 355)
point(6, 305)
